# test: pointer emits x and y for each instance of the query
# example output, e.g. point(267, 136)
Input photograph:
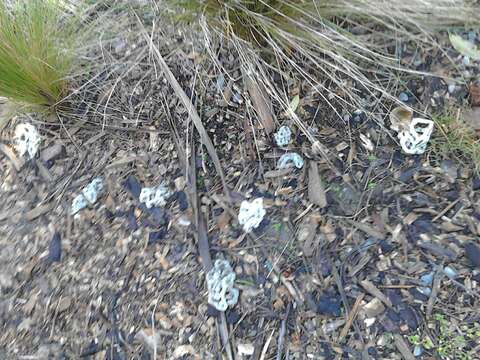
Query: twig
point(351, 318)
point(403, 347)
point(437, 281)
point(267, 344)
point(444, 211)
point(282, 333)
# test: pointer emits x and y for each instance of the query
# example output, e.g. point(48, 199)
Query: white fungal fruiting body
point(414, 139)
point(27, 140)
point(251, 214)
point(155, 196)
point(89, 195)
point(282, 136)
point(220, 281)
point(290, 159)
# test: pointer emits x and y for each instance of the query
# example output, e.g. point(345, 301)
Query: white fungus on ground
point(414, 140)
point(251, 214)
point(283, 136)
point(220, 281)
point(89, 195)
point(26, 140)
point(155, 196)
point(290, 159)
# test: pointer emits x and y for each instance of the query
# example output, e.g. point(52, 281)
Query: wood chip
point(10, 154)
point(369, 230)
point(373, 290)
point(402, 347)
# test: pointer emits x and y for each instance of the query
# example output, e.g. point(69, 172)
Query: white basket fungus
point(283, 136)
point(220, 281)
point(155, 196)
point(27, 140)
point(251, 214)
point(290, 159)
point(89, 195)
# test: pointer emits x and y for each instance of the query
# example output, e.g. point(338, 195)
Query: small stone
point(245, 349)
point(417, 350)
point(450, 272)
point(427, 279)
point(450, 169)
point(476, 183)
point(403, 97)
point(374, 308)
point(232, 317)
point(329, 306)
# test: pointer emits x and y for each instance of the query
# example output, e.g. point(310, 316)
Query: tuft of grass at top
point(328, 44)
point(457, 140)
point(35, 52)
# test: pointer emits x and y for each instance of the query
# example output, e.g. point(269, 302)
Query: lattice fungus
point(220, 281)
point(89, 195)
point(290, 159)
point(155, 196)
point(251, 214)
point(26, 140)
point(414, 140)
point(283, 136)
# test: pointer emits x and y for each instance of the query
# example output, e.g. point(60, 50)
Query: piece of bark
point(402, 347)
point(316, 190)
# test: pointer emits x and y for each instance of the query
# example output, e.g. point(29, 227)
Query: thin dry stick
point(282, 333)
point(351, 318)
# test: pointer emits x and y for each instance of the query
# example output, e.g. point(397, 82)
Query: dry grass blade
point(191, 111)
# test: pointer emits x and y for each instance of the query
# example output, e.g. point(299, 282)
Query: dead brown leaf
point(316, 190)
point(261, 104)
point(475, 94)
point(400, 118)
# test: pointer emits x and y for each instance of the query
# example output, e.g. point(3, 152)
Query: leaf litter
point(339, 267)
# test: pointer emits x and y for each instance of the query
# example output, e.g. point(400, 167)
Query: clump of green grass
point(457, 140)
point(35, 52)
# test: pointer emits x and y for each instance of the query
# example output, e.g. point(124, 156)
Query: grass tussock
point(35, 52)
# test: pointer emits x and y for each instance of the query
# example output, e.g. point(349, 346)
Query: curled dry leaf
point(261, 104)
point(400, 118)
point(475, 94)
point(316, 190)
